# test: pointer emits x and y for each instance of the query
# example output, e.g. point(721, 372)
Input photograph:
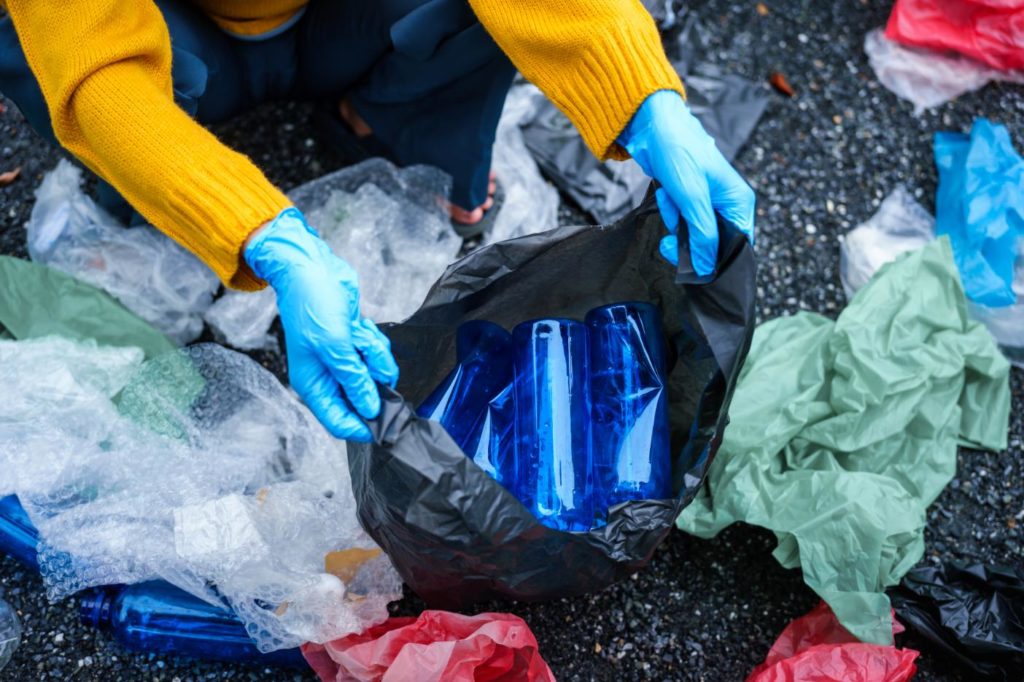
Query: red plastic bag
point(816, 648)
point(437, 646)
point(990, 31)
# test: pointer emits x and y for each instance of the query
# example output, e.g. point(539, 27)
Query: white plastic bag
point(150, 274)
point(531, 203)
point(900, 225)
point(203, 471)
point(925, 77)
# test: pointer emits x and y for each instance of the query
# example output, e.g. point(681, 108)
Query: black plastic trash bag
point(455, 535)
point(973, 611)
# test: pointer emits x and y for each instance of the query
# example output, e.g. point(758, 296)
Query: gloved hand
point(334, 354)
point(672, 147)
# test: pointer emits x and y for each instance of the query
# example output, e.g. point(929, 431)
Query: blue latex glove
point(672, 147)
point(334, 354)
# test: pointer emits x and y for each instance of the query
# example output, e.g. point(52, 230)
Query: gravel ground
point(703, 610)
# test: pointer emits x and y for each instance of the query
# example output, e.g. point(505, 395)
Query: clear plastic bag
point(388, 223)
point(924, 77)
point(531, 203)
point(243, 318)
point(901, 224)
point(150, 274)
point(203, 471)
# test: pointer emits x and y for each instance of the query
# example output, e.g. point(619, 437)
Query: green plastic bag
point(842, 433)
point(39, 301)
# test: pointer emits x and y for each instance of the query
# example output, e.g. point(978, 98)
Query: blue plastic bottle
point(629, 407)
point(493, 449)
point(552, 415)
point(18, 537)
point(460, 402)
point(153, 616)
point(158, 617)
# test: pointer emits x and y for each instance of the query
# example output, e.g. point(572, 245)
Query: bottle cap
point(94, 608)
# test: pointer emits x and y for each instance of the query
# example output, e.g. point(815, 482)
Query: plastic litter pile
point(197, 508)
point(839, 439)
point(980, 205)
point(153, 276)
point(196, 467)
point(570, 416)
point(932, 51)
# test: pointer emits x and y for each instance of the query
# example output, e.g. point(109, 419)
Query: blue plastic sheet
point(980, 205)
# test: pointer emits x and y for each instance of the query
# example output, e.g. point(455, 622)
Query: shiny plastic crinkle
point(388, 223)
point(531, 203)
point(150, 274)
point(197, 467)
point(901, 224)
point(927, 78)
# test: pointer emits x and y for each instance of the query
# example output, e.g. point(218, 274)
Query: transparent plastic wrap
point(388, 223)
point(531, 203)
point(243, 319)
point(927, 78)
point(150, 274)
point(10, 632)
point(901, 224)
point(203, 471)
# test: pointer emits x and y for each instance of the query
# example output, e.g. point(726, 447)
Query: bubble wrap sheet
point(150, 274)
point(197, 467)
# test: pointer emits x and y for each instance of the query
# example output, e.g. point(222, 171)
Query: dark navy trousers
point(424, 74)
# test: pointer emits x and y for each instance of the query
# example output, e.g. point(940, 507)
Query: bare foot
point(349, 115)
point(464, 217)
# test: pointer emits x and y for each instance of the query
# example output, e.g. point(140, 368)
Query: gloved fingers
point(322, 395)
point(669, 248)
point(691, 195)
point(347, 367)
point(375, 348)
point(669, 211)
point(734, 199)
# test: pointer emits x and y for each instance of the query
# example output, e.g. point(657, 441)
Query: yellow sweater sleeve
point(105, 71)
point(597, 60)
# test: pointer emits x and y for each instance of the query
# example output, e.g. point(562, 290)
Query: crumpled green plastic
point(842, 433)
point(37, 301)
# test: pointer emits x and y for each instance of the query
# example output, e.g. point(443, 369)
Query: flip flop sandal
point(490, 215)
point(340, 137)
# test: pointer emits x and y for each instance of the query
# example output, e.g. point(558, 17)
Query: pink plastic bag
point(438, 646)
point(816, 648)
point(989, 31)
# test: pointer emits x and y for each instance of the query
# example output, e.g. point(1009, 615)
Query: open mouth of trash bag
point(454, 533)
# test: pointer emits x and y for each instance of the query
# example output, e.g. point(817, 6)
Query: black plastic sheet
point(454, 534)
point(727, 105)
point(972, 611)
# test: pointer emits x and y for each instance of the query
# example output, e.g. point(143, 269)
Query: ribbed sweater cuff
point(228, 200)
point(610, 81)
point(199, 192)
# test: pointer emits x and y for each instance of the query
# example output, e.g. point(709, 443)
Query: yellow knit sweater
point(105, 70)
